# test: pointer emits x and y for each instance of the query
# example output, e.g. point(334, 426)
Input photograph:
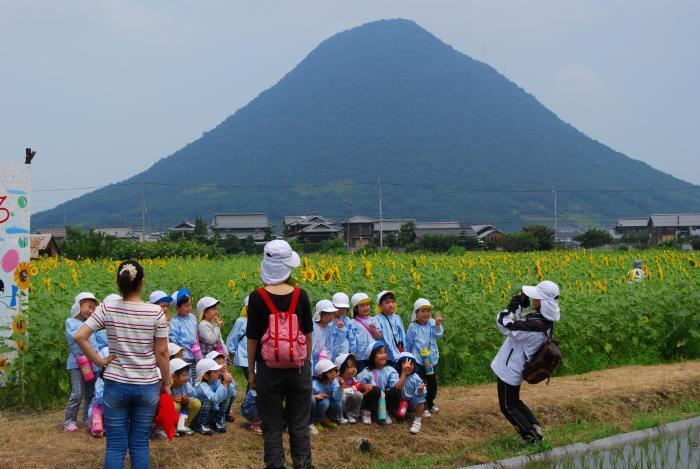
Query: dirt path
point(468, 414)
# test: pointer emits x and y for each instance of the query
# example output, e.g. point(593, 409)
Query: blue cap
point(180, 296)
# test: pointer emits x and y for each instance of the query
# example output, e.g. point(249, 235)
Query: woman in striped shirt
point(137, 333)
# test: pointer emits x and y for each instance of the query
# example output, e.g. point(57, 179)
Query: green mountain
point(448, 136)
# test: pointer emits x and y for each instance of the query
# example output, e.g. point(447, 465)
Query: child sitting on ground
point(327, 395)
point(81, 388)
point(176, 351)
point(209, 327)
point(412, 392)
point(220, 359)
point(183, 328)
point(352, 389)
point(182, 392)
point(421, 341)
point(161, 299)
point(249, 410)
point(212, 395)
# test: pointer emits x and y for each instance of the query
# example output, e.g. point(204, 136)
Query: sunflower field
point(606, 319)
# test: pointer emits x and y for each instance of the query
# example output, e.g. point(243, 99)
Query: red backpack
point(283, 346)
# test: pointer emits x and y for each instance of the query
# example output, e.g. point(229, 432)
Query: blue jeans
point(325, 408)
point(128, 415)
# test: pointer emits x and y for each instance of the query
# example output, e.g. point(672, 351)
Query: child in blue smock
point(421, 341)
point(363, 327)
point(390, 325)
point(327, 395)
point(413, 391)
point(220, 359)
point(212, 395)
point(249, 410)
point(186, 405)
point(183, 327)
point(384, 379)
point(345, 336)
point(81, 390)
point(324, 335)
point(237, 342)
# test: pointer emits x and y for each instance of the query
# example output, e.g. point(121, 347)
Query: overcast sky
point(104, 89)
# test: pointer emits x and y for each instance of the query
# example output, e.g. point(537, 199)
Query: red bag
point(166, 417)
point(283, 346)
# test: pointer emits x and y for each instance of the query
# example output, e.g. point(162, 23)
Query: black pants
point(431, 386)
point(284, 396)
point(244, 369)
point(516, 411)
point(371, 400)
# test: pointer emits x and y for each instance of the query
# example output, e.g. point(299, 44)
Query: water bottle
point(402, 410)
point(97, 423)
point(85, 368)
point(197, 351)
point(427, 363)
point(381, 407)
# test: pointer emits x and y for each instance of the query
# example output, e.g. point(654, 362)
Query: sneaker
point(367, 417)
point(434, 409)
point(415, 428)
point(257, 430)
point(220, 427)
point(343, 421)
point(387, 420)
point(312, 430)
point(352, 420)
point(538, 432)
point(204, 430)
point(427, 414)
point(70, 427)
point(319, 426)
point(159, 434)
point(187, 431)
point(328, 423)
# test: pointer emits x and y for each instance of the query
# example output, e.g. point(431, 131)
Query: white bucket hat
point(278, 261)
point(174, 348)
point(177, 364)
point(548, 294)
point(340, 359)
point(324, 365)
point(159, 296)
point(214, 354)
point(79, 298)
point(359, 298)
point(420, 303)
point(341, 300)
point(205, 303)
point(204, 365)
point(323, 306)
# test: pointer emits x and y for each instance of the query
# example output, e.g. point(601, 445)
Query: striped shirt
point(132, 328)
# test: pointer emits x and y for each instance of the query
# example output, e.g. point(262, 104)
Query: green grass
point(504, 446)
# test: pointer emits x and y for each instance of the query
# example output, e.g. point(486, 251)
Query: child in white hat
point(353, 390)
point(161, 299)
point(183, 392)
point(220, 359)
point(327, 395)
point(421, 341)
point(210, 326)
point(83, 306)
point(237, 342)
point(324, 335)
point(364, 328)
point(345, 335)
point(212, 395)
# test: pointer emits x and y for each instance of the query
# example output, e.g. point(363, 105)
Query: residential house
point(358, 232)
point(59, 234)
point(120, 232)
point(445, 228)
point(630, 225)
point(486, 233)
point(43, 245)
point(183, 228)
point(241, 225)
point(389, 226)
point(310, 228)
point(666, 227)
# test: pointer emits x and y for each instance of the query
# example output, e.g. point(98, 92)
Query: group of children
point(364, 367)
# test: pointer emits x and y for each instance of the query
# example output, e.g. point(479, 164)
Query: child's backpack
point(283, 344)
point(544, 361)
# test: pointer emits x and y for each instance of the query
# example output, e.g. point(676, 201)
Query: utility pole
point(381, 221)
point(555, 217)
point(143, 214)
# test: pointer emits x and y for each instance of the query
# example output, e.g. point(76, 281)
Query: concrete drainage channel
point(674, 445)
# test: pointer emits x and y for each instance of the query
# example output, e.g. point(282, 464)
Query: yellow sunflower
point(19, 326)
point(22, 275)
point(3, 363)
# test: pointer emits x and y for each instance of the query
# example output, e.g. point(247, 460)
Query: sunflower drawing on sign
point(22, 275)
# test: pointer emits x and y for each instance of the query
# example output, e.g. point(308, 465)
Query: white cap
point(205, 303)
point(359, 298)
point(214, 354)
point(177, 364)
point(82, 296)
point(382, 294)
point(174, 348)
point(159, 296)
point(340, 359)
point(341, 300)
point(324, 365)
point(112, 297)
point(548, 294)
point(278, 261)
point(204, 365)
point(323, 306)
point(420, 303)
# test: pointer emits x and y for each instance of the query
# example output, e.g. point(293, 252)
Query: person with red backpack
point(527, 353)
point(279, 333)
